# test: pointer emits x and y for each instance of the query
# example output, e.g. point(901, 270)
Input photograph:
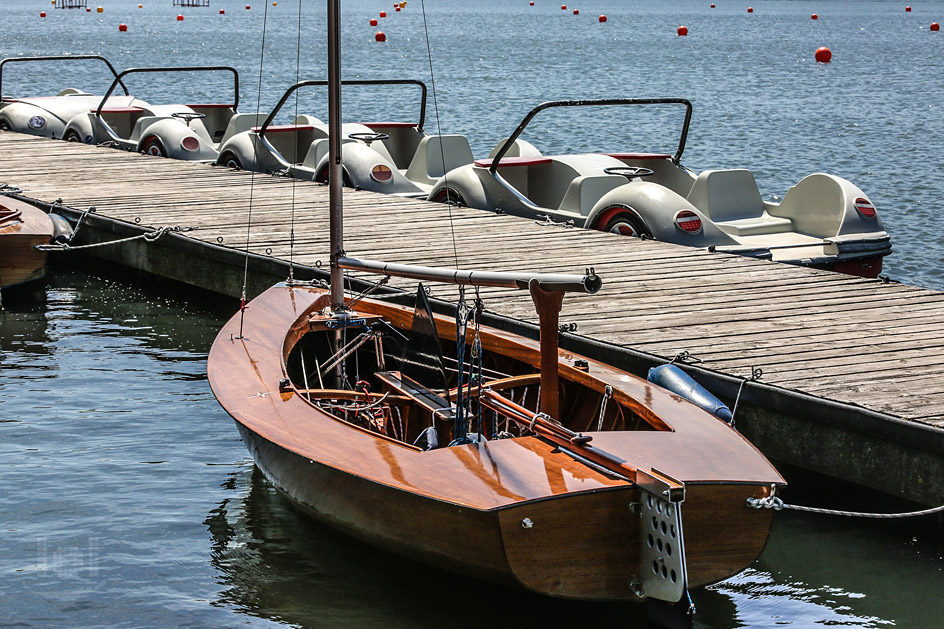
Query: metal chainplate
point(664, 573)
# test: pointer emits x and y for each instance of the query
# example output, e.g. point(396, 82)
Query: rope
point(7, 190)
point(772, 502)
point(149, 236)
point(756, 374)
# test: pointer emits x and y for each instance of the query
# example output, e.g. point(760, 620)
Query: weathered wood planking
point(847, 339)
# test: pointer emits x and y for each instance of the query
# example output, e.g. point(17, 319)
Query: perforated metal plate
point(664, 574)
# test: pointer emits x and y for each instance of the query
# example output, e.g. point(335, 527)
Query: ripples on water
point(873, 115)
point(128, 498)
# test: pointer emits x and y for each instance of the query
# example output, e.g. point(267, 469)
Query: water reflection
point(276, 563)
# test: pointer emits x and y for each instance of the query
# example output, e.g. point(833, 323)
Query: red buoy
point(88, 10)
point(222, 12)
point(823, 54)
point(603, 18)
point(563, 7)
point(814, 17)
point(935, 26)
point(180, 18)
point(123, 28)
point(750, 9)
point(712, 6)
point(373, 21)
point(383, 14)
point(907, 9)
point(576, 11)
point(398, 9)
point(682, 31)
point(42, 14)
point(380, 36)
point(532, 4)
point(248, 7)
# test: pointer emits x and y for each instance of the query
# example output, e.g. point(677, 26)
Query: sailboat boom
point(550, 282)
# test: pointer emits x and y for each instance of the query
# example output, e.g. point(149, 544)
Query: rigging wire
point(432, 81)
point(252, 176)
point(291, 233)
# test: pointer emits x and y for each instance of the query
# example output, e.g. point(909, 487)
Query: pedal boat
point(582, 495)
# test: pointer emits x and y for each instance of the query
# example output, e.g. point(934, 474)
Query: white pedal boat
point(47, 116)
point(824, 221)
point(390, 157)
point(190, 132)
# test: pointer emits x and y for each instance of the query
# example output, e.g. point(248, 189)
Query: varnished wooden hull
point(463, 507)
point(25, 228)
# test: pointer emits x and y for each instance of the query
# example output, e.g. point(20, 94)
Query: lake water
point(128, 497)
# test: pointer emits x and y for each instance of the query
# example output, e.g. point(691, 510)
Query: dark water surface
point(127, 497)
point(129, 500)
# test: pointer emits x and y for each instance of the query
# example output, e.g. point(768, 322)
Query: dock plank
point(853, 340)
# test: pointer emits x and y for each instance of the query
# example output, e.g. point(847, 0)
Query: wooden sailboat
point(511, 460)
point(22, 227)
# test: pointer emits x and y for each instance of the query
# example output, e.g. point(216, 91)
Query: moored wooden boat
point(517, 462)
point(525, 507)
point(22, 227)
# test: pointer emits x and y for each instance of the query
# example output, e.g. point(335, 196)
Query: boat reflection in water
point(274, 562)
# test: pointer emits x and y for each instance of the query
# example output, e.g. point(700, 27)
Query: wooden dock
point(852, 369)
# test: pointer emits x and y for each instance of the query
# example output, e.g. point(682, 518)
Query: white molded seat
point(436, 155)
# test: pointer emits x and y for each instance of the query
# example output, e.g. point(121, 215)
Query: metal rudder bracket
point(662, 545)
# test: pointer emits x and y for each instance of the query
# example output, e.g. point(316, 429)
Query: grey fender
point(24, 118)
point(468, 182)
point(172, 132)
point(250, 152)
point(657, 206)
point(86, 129)
point(359, 160)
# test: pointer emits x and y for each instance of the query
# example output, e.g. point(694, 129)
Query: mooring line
point(772, 502)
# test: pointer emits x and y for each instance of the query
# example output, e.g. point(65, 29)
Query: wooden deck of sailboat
point(859, 342)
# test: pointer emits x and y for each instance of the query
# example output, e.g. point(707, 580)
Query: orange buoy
point(383, 14)
point(935, 26)
point(42, 14)
point(100, 10)
point(682, 31)
point(814, 17)
point(380, 36)
point(373, 21)
point(907, 9)
point(823, 54)
point(576, 11)
point(123, 28)
point(403, 4)
point(750, 9)
point(140, 6)
point(603, 18)
point(180, 18)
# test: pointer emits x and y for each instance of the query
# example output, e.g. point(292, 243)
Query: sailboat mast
point(335, 174)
